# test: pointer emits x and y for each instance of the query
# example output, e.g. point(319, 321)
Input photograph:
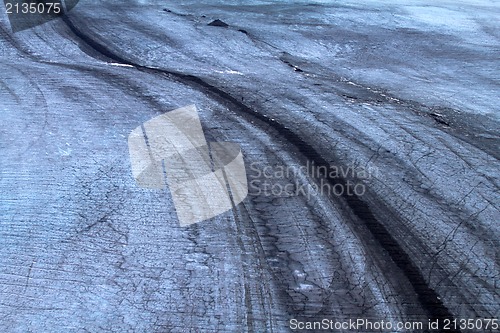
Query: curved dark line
point(428, 297)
